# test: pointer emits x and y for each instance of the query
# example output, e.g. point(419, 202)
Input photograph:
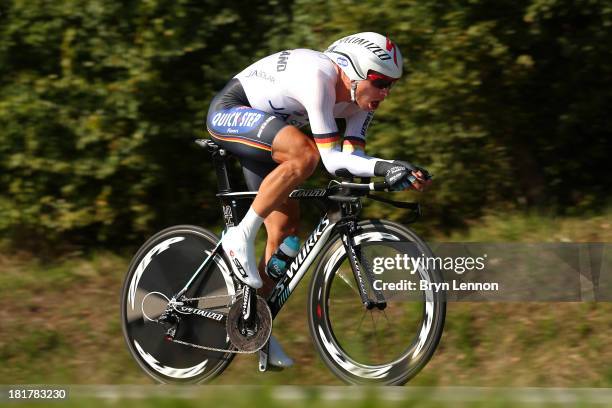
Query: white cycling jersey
point(299, 87)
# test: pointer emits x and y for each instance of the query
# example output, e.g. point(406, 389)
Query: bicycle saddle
point(208, 144)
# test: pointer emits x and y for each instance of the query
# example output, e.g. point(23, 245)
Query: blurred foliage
point(100, 103)
point(506, 102)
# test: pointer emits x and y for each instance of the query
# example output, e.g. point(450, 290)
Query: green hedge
point(505, 101)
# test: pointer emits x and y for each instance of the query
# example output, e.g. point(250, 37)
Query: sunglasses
point(380, 81)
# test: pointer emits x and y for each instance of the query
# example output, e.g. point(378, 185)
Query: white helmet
point(359, 53)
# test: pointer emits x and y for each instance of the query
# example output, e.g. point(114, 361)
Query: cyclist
point(258, 116)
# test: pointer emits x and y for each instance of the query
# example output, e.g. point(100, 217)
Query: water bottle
point(282, 257)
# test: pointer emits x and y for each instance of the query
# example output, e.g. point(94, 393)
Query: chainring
point(257, 340)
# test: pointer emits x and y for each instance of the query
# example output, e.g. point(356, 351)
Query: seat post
point(232, 211)
point(219, 161)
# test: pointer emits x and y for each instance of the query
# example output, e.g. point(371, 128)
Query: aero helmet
point(359, 53)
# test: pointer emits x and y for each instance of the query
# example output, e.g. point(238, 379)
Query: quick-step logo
point(236, 120)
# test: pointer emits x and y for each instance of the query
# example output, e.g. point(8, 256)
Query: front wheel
point(374, 346)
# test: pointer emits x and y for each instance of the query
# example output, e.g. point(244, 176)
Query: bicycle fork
point(361, 276)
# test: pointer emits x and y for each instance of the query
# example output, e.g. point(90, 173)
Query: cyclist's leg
point(295, 154)
point(260, 136)
point(248, 133)
point(252, 142)
point(281, 223)
point(298, 157)
point(257, 136)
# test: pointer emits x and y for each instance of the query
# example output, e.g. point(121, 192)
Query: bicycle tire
point(160, 268)
point(337, 353)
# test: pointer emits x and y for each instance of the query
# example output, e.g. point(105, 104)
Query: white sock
point(250, 224)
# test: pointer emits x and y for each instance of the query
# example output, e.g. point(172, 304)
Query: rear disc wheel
point(158, 271)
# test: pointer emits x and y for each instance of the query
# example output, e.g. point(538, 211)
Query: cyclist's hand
point(423, 179)
point(397, 178)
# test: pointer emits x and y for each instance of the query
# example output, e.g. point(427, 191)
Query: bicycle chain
point(234, 296)
point(214, 297)
point(214, 348)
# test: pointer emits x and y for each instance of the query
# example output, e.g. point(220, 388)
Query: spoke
point(362, 317)
point(373, 321)
point(397, 322)
point(386, 317)
point(350, 283)
point(375, 331)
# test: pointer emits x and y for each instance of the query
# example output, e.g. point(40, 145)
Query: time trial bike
point(185, 315)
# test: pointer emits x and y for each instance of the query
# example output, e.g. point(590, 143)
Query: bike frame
point(213, 289)
point(342, 218)
point(308, 252)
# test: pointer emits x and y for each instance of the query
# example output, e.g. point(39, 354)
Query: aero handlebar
point(374, 186)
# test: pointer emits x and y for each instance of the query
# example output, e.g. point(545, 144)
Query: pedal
point(264, 354)
point(263, 357)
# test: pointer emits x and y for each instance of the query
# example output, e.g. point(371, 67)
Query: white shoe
point(241, 253)
point(277, 356)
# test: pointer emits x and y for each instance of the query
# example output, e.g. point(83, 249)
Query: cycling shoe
point(277, 356)
point(241, 253)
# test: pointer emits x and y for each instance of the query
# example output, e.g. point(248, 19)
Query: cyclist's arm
point(355, 163)
point(355, 134)
point(355, 142)
point(319, 101)
point(340, 163)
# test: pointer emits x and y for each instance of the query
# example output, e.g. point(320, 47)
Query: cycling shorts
point(246, 132)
